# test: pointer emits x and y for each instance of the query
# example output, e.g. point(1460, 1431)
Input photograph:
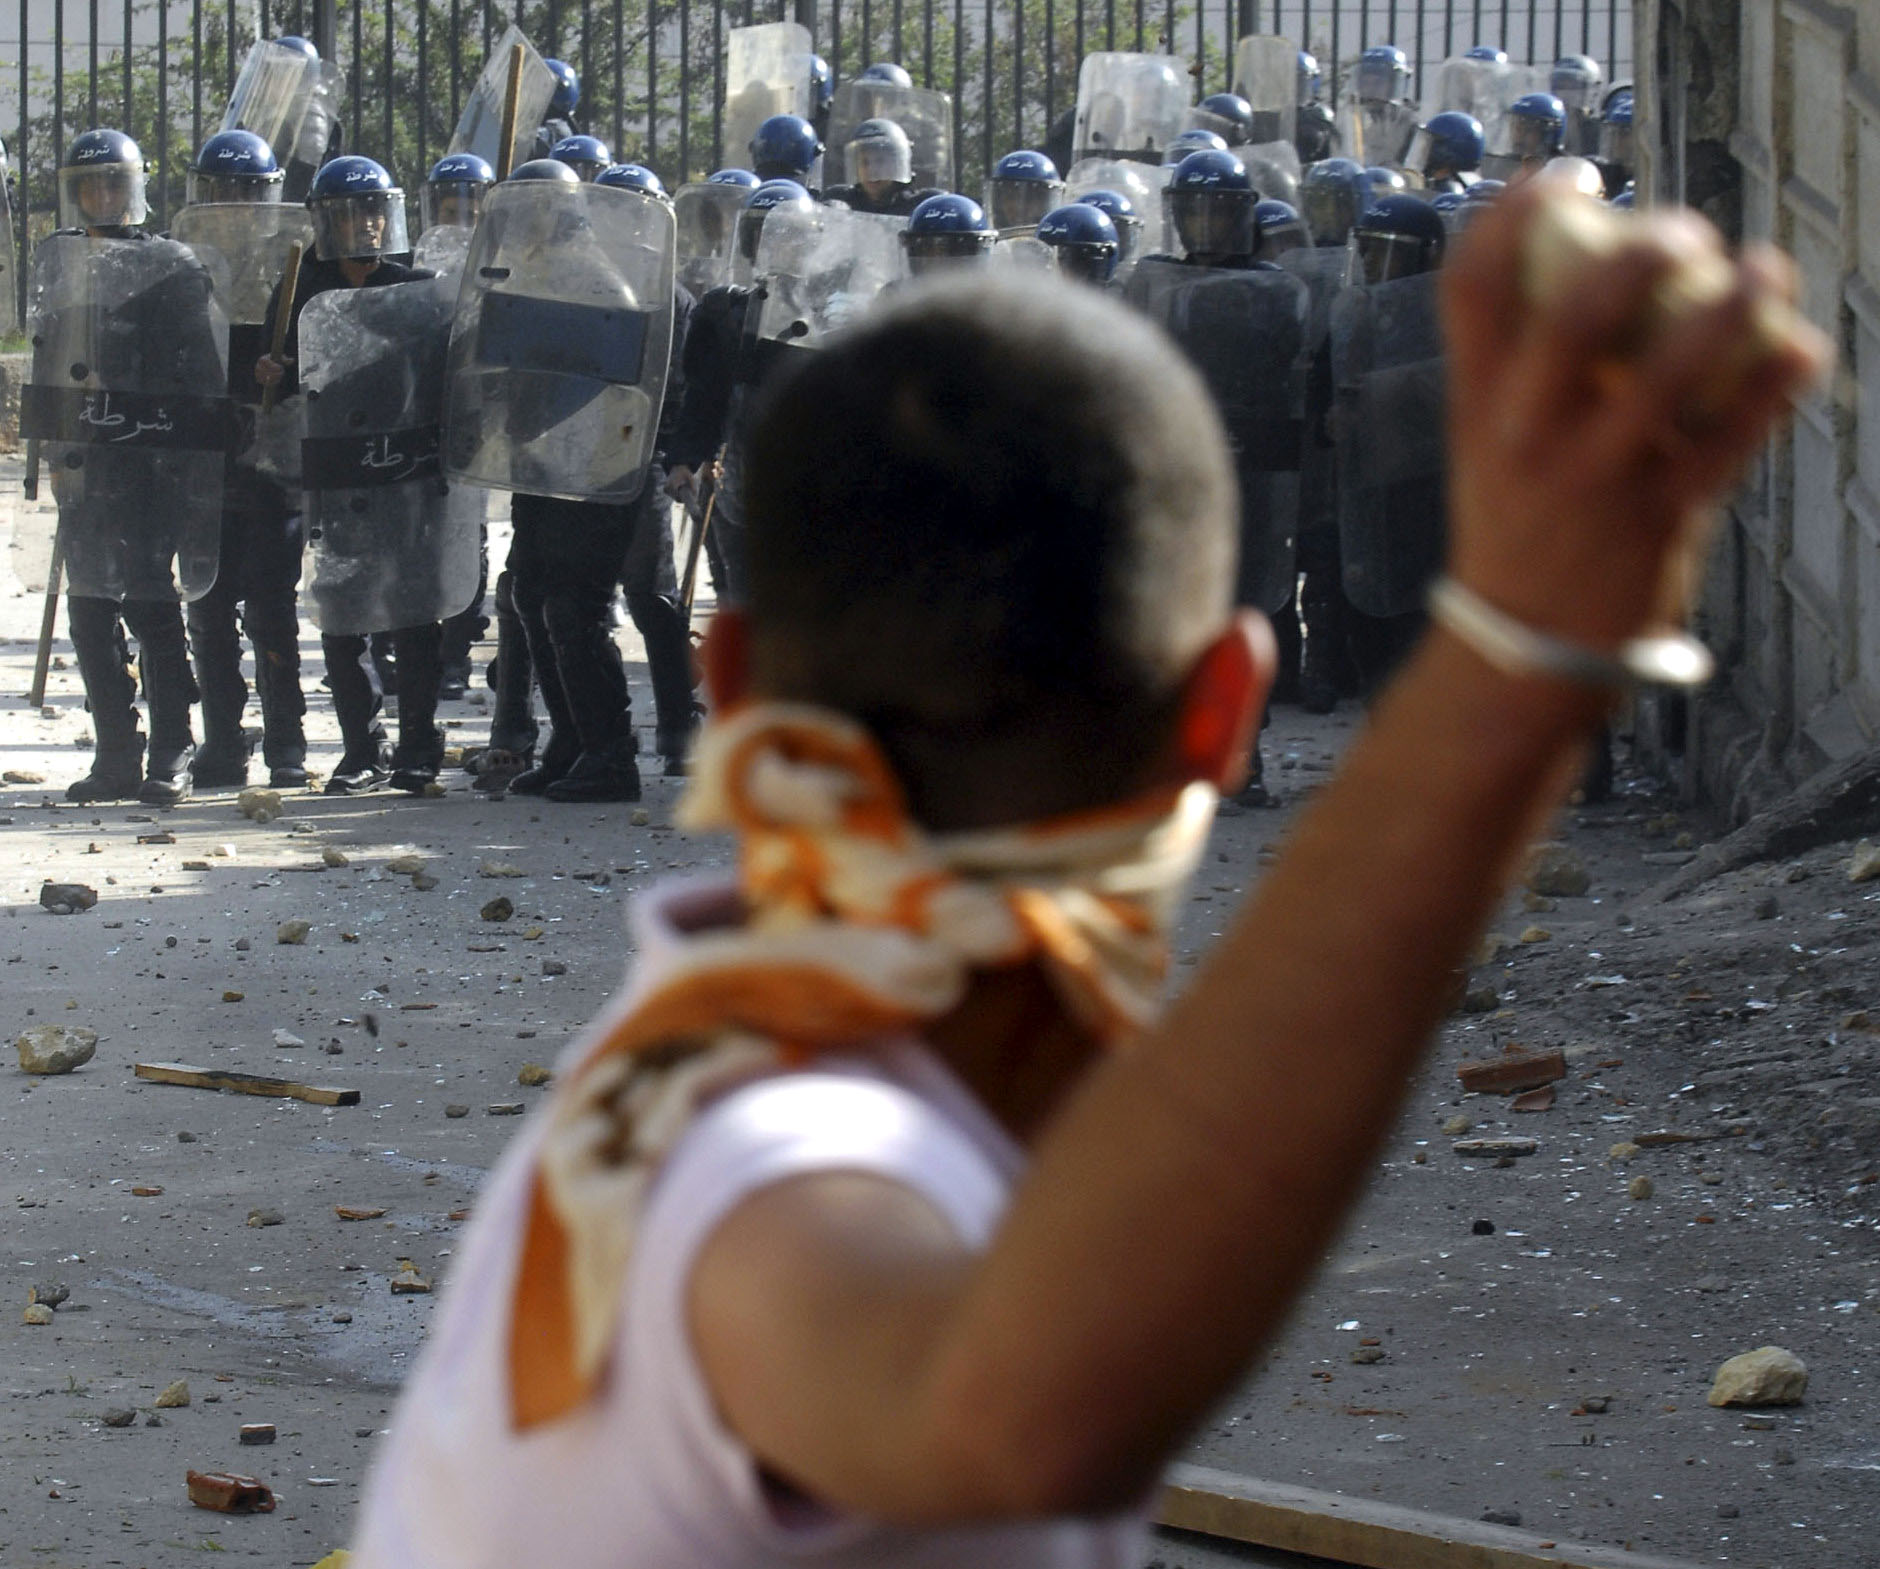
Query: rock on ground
point(56, 1048)
point(1768, 1376)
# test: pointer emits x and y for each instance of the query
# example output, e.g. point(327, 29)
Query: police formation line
point(285, 382)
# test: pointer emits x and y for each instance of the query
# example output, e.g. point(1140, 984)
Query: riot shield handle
point(512, 102)
point(283, 317)
point(42, 657)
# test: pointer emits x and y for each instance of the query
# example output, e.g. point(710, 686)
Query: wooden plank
point(244, 1083)
point(1365, 1532)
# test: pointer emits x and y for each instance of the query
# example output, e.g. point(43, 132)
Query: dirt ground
point(1543, 1340)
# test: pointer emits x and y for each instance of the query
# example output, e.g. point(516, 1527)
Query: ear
point(726, 658)
point(1222, 701)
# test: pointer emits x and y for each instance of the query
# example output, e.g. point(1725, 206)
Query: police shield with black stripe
point(559, 351)
point(886, 91)
point(1387, 367)
point(1129, 106)
point(128, 404)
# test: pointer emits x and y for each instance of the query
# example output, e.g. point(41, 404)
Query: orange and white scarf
point(861, 926)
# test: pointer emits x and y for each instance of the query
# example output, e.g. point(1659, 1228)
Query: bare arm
point(1181, 1200)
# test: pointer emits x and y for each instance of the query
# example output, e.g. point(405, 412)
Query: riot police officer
point(646, 574)
point(1447, 151)
point(562, 104)
point(1333, 192)
point(945, 232)
point(888, 72)
point(1084, 242)
point(454, 191)
point(1121, 212)
point(1196, 139)
point(881, 159)
point(1315, 128)
point(262, 532)
point(359, 228)
point(822, 95)
point(140, 323)
point(1228, 115)
point(1576, 80)
point(1023, 187)
point(785, 147)
point(1615, 158)
point(721, 379)
point(1213, 209)
point(1281, 229)
point(1536, 131)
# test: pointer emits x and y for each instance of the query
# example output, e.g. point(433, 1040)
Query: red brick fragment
point(229, 1494)
point(1514, 1070)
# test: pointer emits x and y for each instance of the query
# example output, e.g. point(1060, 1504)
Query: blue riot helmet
point(1615, 131)
point(947, 231)
point(1024, 187)
point(1309, 77)
point(1487, 53)
point(1228, 115)
point(1123, 217)
point(1383, 74)
point(567, 95)
point(101, 182)
point(1210, 200)
point(760, 204)
point(879, 153)
point(887, 71)
point(1625, 200)
point(785, 147)
point(234, 166)
point(738, 177)
point(299, 45)
point(1383, 179)
point(1332, 193)
point(1194, 140)
point(358, 211)
point(1398, 236)
point(633, 177)
point(552, 169)
point(1084, 241)
point(1315, 132)
point(1537, 126)
point(1575, 80)
point(1450, 206)
point(454, 191)
point(586, 155)
point(1281, 229)
point(1447, 146)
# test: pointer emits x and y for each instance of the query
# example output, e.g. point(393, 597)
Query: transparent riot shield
point(1129, 106)
point(1375, 133)
point(1275, 170)
point(9, 255)
point(821, 269)
point(1387, 426)
point(706, 222)
point(1500, 160)
point(1024, 251)
point(1469, 87)
point(443, 248)
point(1245, 331)
point(480, 126)
point(766, 73)
point(393, 543)
point(129, 401)
point(1266, 74)
point(562, 342)
point(271, 95)
point(249, 243)
point(1325, 271)
point(926, 116)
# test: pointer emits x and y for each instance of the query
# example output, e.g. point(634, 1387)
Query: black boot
point(607, 774)
point(558, 757)
point(416, 759)
point(277, 685)
point(360, 768)
point(168, 776)
point(117, 773)
point(662, 627)
point(117, 765)
point(169, 690)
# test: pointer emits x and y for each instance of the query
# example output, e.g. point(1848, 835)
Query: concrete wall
point(1766, 113)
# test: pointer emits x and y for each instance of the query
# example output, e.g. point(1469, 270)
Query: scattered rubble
point(56, 1048)
point(292, 933)
point(229, 1494)
point(259, 806)
point(173, 1397)
point(66, 898)
point(498, 909)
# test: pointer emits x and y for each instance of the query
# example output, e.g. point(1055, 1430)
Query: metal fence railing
point(653, 70)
